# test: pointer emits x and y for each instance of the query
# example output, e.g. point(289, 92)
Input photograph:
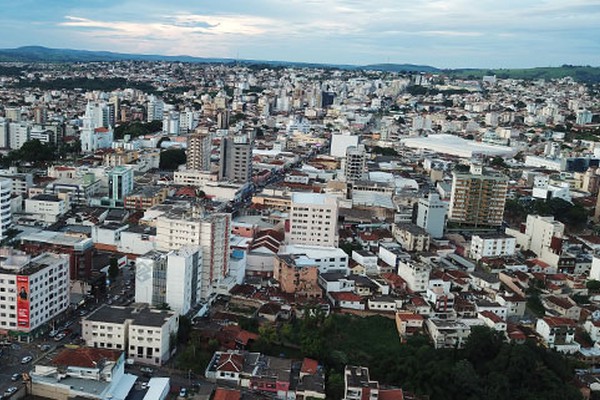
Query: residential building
point(355, 164)
point(432, 213)
point(297, 274)
point(34, 290)
point(5, 206)
point(447, 334)
point(558, 333)
point(492, 245)
point(235, 163)
point(539, 234)
point(340, 143)
point(478, 197)
point(145, 197)
point(21, 181)
point(358, 384)
point(411, 237)
point(199, 148)
point(327, 259)
point(169, 278)
point(416, 274)
point(313, 220)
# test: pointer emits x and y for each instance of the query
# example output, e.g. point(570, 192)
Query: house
point(311, 381)
point(558, 333)
point(447, 334)
point(346, 300)
point(564, 306)
point(492, 321)
point(408, 324)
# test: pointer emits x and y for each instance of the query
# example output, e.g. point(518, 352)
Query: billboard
point(23, 302)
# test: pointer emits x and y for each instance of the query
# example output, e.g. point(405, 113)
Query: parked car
point(147, 370)
point(183, 392)
point(26, 359)
point(10, 391)
point(15, 377)
point(59, 337)
point(53, 333)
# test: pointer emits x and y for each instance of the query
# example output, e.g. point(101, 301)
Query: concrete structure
point(492, 245)
point(447, 334)
point(558, 333)
point(235, 163)
point(120, 183)
point(199, 147)
point(297, 274)
point(327, 259)
point(5, 205)
point(340, 144)
point(431, 215)
point(34, 290)
point(539, 235)
point(415, 274)
point(169, 278)
point(313, 220)
point(46, 207)
point(355, 164)
point(478, 197)
point(411, 237)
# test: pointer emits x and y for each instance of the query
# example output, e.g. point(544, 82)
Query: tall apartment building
point(431, 215)
point(34, 290)
point(198, 151)
point(478, 197)
point(175, 230)
point(355, 163)
point(416, 274)
point(235, 163)
point(155, 109)
point(170, 278)
point(145, 335)
point(313, 220)
point(5, 213)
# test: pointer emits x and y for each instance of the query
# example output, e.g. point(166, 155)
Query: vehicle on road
point(15, 377)
point(26, 359)
point(183, 392)
point(147, 370)
point(10, 391)
point(59, 337)
point(144, 385)
point(53, 333)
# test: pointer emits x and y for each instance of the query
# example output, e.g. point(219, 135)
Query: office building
point(199, 148)
point(313, 220)
point(431, 215)
point(478, 197)
point(235, 163)
point(34, 290)
point(46, 207)
point(120, 183)
point(169, 278)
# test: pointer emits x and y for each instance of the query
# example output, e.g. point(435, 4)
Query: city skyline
point(444, 34)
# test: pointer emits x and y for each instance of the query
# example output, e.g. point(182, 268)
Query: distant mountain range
point(33, 54)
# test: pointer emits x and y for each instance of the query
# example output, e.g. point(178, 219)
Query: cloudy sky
point(442, 33)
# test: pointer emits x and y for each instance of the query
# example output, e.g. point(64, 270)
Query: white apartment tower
point(5, 213)
point(235, 162)
point(431, 215)
point(169, 278)
point(313, 220)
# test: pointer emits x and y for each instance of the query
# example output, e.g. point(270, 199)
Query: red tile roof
point(346, 296)
point(85, 357)
point(559, 321)
point(227, 394)
point(309, 366)
point(231, 362)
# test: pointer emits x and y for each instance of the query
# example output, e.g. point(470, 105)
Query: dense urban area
point(240, 231)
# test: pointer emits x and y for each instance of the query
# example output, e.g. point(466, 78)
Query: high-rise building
point(171, 123)
point(33, 290)
point(13, 114)
point(175, 230)
point(120, 183)
point(313, 220)
point(199, 148)
point(169, 278)
point(355, 163)
point(478, 197)
point(18, 134)
point(223, 119)
point(431, 215)
point(5, 213)
point(235, 164)
point(155, 109)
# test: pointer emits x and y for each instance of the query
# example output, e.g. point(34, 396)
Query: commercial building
point(415, 274)
point(313, 220)
point(145, 335)
point(340, 143)
point(169, 278)
point(120, 183)
point(297, 274)
point(34, 290)
point(478, 197)
point(411, 236)
point(431, 215)
point(327, 259)
point(355, 164)
point(46, 207)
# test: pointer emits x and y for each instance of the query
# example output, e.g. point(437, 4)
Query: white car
point(10, 391)
point(59, 337)
point(26, 359)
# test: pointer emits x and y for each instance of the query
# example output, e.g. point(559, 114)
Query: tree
point(171, 159)
point(184, 329)
point(593, 286)
point(113, 269)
